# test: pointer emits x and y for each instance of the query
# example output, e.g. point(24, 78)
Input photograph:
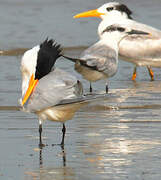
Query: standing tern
point(49, 92)
point(137, 49)
point(100, 61)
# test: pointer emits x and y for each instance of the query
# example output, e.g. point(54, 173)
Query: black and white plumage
point(47, 56)
point(56, 94)
point(137, 49)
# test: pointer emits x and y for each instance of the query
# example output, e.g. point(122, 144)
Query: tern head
point(36, 63)
point(118, 32)
point(108, 10)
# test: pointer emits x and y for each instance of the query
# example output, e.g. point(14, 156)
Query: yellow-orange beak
point(32, 85)
point(91, 13)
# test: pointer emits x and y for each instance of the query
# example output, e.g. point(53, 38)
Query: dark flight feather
point(49, 52)
point(82, 62)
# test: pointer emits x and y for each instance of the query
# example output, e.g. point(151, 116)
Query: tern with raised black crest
point(47, 91)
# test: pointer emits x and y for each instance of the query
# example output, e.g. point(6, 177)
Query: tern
point(137, 49)
point(100, 61)
point(47, 91)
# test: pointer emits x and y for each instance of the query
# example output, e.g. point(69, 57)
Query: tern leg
point(63, 131)
point(90, 89)
point(151, 73)
point(106, 87)
point(134, 74)
point(40, 132)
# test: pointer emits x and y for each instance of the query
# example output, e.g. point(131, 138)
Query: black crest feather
point(49, 52)
point(124, 8)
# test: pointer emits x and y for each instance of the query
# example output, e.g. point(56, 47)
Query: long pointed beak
point(32, 85)
point(138, 32)
point(91, 13)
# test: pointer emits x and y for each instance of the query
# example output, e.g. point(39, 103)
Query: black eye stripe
point(120, 29)
point(113, 28)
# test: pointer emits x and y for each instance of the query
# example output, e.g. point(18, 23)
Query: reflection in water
point(64, 155)
point(41, 156)
point(131, 104)
point(47, 173)
point(117, 153)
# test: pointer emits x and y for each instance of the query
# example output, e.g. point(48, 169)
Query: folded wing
point(52, 89)
point(100, 57)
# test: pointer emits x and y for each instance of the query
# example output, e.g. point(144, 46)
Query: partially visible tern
point(49, 92)
point(137, 49)
point(100, 61)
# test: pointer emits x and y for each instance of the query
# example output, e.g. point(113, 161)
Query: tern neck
point(111, 40)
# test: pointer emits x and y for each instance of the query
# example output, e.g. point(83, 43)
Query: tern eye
point(120, 29)
point(109, 8)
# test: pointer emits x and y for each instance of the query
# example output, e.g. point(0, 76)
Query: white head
point(115, 10)
point(110, 13)
point(108, 10)
point(36, 63)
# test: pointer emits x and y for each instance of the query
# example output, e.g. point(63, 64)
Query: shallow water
point(115, 138)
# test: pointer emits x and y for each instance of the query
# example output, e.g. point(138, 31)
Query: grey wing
point(52, 89)
point(140, 47)
point(85, 98)
point(100, 57)
point(142, 27)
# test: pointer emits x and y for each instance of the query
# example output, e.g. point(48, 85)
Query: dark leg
point(106, 88)
point(134, 74)
point(41, 145)
point(151, 73)
point(63, 131)
point(90, 89)
point(40, 132)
